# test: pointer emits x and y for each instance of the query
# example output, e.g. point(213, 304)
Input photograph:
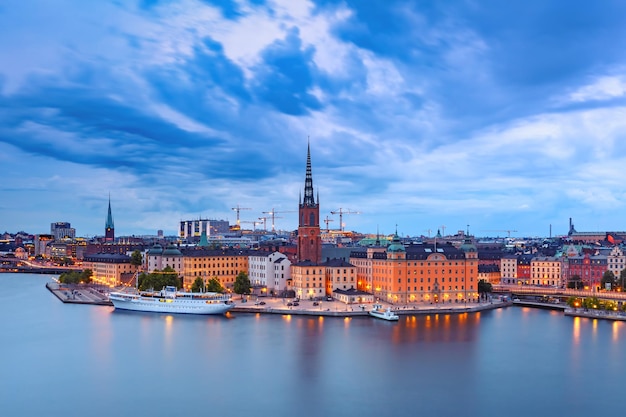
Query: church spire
point(309, 198)
point(109, 228)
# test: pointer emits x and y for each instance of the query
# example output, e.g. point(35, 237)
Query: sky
point(485, 115)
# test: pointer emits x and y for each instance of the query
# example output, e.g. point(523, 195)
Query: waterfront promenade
point(98, 295)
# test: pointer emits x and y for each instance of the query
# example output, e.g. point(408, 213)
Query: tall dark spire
point(309, 199)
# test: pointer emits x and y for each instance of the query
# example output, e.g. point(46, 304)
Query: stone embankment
point(79, 294)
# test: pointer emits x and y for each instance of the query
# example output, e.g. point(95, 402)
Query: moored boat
point(386, 314)
point(169, 300)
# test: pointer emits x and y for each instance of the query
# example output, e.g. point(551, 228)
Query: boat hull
point(384, 315)
point(171, 306)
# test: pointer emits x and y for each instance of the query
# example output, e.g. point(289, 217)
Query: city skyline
point(421, 115)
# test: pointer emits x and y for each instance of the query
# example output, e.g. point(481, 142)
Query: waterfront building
point(110, 269)
point(309, 279)
point(223, 264)
point(308, 274)
point(109, 227)
point(269, 271)
point(508, 269)
point(62, 230)
point(590, 269)
point(546, 270)
point(489, 273)
point(339, 275)
point(523, 269)
point(419, 273)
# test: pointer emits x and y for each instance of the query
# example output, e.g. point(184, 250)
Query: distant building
point(41, 244)
point(191, 230)
point(62, 230)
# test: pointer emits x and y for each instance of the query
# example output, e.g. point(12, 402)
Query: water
point(67, 360)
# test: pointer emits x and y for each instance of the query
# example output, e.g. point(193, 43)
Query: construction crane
point(273, 214)
point(264, 221)
point(341, 212)
point(508, 232)
point(327, 220)
point(238, 209)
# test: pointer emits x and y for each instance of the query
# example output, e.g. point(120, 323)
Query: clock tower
point(309, 239)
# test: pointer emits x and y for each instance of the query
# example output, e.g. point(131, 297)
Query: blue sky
point(421, 114)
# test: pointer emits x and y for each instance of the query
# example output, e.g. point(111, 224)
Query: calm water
point(70, 360)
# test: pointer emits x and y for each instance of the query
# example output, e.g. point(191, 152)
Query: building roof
point(336, 263)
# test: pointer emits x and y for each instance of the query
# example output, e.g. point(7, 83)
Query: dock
point(79, 294)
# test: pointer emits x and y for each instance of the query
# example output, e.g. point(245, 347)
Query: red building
point(590, 269)
point(309, 238)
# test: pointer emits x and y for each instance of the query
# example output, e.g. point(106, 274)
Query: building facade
point(192, 229)
point(223, 264)
point(269, 271)
point(508, 269)
point(62, 230)
point(425, 273)
point(109, 268)
point(546, 271)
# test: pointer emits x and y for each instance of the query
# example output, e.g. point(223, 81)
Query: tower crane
point(341, 212)
point(273, 214)
point(238, 209)
point(327, 220)
point(264, 221)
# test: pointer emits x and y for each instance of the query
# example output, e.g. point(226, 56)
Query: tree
point(214, 285)
point(608, 278)
point(159, 279)
point(484, 287)
point(86, 275)
point(242, 284)
point(136, 259)
point(575, 282)
point(198, 285)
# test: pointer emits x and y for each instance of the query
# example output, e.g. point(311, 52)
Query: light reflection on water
point(518, 360)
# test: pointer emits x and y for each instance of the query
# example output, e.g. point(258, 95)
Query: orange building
point(423, 273)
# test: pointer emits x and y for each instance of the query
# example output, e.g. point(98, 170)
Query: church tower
point(309, 239)
point(109, 228)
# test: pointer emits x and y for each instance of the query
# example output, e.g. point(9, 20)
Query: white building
point(269, 270)
point(616, 261)
point(193, 228)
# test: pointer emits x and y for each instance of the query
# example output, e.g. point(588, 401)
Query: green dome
point(468, 246)
point(396, 245)
point(155, 250)
point(172, 250)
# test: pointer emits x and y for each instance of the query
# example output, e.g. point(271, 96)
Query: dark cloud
point(285, 76)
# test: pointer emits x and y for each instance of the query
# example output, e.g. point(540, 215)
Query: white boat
point(169, 300)
point(383, 313)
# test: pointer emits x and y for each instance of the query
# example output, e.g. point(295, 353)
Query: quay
point(79, 294)
point(98, 295)
point(595, 314)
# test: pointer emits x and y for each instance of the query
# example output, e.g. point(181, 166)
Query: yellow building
point(309, 280)
point(339, 275)
point(110, 269)
point(223, 264)
point(422, 273)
